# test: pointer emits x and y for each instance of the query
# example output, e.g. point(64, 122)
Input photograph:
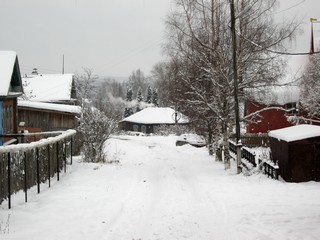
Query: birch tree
point(310, 87)
point(199, 40)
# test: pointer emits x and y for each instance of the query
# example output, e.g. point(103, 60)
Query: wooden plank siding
point(299, 161)
point(41, 120)
point(47, 120)
point(9, 123)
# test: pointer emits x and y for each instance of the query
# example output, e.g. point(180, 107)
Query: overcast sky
point(113, 37)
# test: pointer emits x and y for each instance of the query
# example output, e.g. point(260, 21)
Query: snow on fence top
point(38, 144)
point(7, 61)
point(296, 133)
point(156, 115)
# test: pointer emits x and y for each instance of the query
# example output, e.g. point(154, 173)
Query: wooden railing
point(269, 168)
point(250, 161)
point(249, 156)
point(25, 165)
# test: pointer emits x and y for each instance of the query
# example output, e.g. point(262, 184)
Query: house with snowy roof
point(151, 118)
point(50, 105)
point(10, 89)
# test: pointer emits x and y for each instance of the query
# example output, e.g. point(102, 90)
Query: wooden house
point(10, 89)
point(149, 119)
point(297, 151)
point(51, 102)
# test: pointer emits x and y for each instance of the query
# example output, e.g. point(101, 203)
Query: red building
point(272, 118)
point(272, 111)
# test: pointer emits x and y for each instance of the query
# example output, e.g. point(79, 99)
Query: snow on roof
point(7, 61)
point(156, 115)
point(296, 133)
point(286, 94)
point(279, 95)
point(50, 106)
point(48, 87)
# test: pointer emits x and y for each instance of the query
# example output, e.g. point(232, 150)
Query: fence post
point(38, 169)
point(25, 178)
point(65, 155)
point(58, 166)
point(71, 149)
point(49, 165)
point(9, 180)
point(239, 146)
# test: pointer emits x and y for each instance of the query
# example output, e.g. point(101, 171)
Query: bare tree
point(95, 126)
point(199, 40)
point(137, 80)
point(310, 87)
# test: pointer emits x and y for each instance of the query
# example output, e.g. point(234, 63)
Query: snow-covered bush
point(95, 128)
point(95, 125)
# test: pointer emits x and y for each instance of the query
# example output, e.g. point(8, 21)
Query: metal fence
point(251, 162)
point(25, 165)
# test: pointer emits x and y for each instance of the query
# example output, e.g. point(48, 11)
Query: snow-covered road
point(160, 191)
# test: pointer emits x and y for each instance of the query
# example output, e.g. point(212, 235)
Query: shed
point(44, 117)
point(297, 151)
point(48, 116)
point(10, 89)
point(148, 119)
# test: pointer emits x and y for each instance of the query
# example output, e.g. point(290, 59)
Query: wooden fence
point(250, 161)
point(25, 165)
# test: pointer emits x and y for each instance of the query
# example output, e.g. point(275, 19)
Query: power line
point(293, 6)
point(274, 51)
point(142, 48)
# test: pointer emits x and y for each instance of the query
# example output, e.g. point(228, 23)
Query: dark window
point(292, 108)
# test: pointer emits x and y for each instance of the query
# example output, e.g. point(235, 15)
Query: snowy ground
point(160, 191)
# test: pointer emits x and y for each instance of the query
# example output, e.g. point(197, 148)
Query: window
point(292, 108)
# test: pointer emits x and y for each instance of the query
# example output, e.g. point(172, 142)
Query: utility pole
point(235, 81)
point(312, 20)
point(62, 63)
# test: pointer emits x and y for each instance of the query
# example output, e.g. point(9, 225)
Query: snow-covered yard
point(160, 191)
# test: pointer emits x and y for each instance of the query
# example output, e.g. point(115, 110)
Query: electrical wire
point(293, 6)
point(274, 51)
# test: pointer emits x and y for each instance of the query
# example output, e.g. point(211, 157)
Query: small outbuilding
point(297, 151)
point(149, 119)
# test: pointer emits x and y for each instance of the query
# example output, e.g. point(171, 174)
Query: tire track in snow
point(169, 204)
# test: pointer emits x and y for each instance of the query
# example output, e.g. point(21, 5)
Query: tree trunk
point(226, 155)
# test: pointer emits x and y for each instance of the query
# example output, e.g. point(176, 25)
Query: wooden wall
point(298, 161)
point(269, 120)
point(46, 120)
